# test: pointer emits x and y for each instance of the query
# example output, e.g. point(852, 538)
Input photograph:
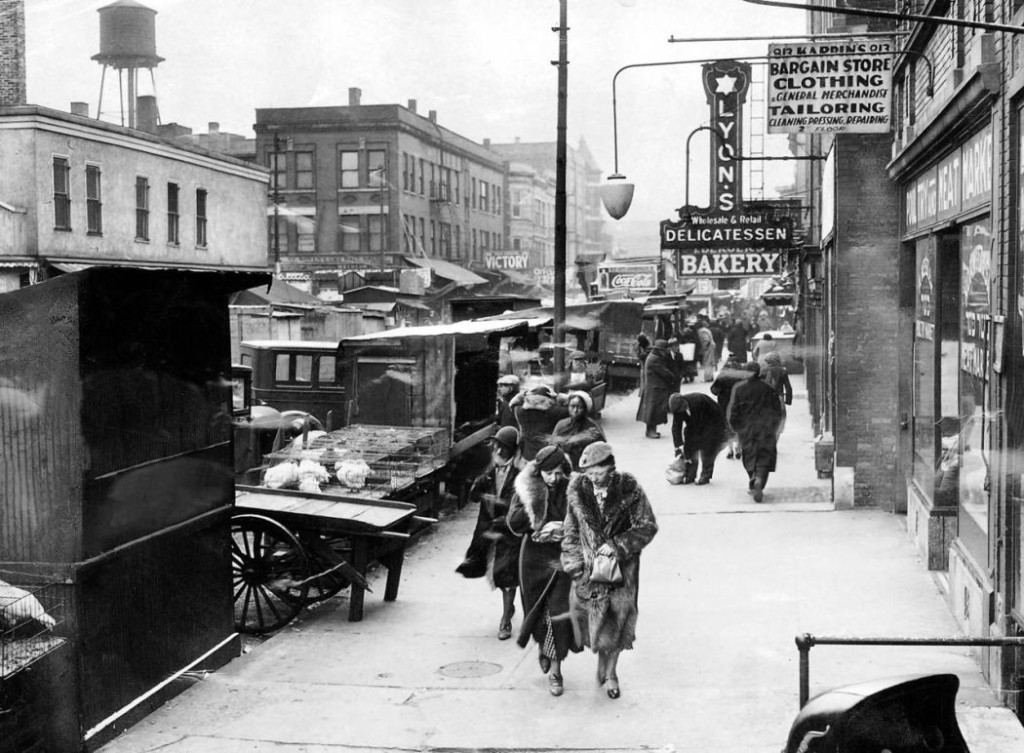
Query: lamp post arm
point(925, 19)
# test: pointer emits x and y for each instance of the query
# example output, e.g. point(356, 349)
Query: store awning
point(469, 327)
point(447, 270)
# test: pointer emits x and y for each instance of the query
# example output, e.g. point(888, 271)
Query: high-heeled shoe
point(555, 684)
point(613, 688)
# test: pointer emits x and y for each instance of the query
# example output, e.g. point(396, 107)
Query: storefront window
point(924, 367)
point(974, 441)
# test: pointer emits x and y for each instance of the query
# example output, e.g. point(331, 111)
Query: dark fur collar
point(615, 518)
point(533, 493)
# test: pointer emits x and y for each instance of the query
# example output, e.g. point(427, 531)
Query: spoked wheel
point(269, 569)
point(325, 552)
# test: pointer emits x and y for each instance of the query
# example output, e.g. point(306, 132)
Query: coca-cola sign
point(634, 277)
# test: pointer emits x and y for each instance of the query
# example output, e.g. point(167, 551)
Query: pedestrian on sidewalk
point(708, 351)
point(573, 433)
point(703, 436)
point(536, 412)
point(731, 373)
point(737, 339)
point(494, 549)
point(776, 377)
point(537, 514)
point(608, 514)
point(659, 382)
point(754, 414)
point(508, 388)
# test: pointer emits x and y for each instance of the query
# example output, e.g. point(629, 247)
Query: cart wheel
point(325, 552)
point(269, 568)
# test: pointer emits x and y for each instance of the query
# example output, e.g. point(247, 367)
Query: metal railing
point(805, 642)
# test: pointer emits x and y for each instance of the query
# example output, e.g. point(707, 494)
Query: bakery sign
point(639, 278)
point(728, 244)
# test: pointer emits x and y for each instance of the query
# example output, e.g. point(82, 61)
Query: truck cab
point(297, 375)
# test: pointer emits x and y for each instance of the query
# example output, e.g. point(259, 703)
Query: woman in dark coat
point(659, 383)
point(755, 414)
point(738, 340)
point(574, 433)
point(536, 413)
point(537, 514)
point(703, 437)
point(494, 549)
point(608, 513)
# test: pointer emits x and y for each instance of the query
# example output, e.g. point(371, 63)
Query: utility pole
point(560, 199)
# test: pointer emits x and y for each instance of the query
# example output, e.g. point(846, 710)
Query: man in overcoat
point(703, 436)
point(754, 414)
point(659, 383)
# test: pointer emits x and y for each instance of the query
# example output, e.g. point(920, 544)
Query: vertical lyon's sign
point(830, 87)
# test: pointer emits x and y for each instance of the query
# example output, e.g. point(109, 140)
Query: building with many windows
point(378, 187)
point(75, 190)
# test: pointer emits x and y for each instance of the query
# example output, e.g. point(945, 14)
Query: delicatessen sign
point(733, 244)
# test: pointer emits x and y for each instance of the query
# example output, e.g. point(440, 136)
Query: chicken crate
point(367, 460)
point(31, 621)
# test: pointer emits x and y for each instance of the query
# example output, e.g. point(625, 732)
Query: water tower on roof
point(127, 43)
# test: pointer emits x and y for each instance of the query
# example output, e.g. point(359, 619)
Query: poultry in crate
point(20, 610)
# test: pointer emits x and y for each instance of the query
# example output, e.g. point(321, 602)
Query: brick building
point(912, 306)
point(378, 187)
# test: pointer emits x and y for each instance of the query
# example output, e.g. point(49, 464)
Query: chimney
point(412, 105)
point(487, 143)
point(80, 108)
point(213, 127)
point(12, 53)
point(432, 116)
point(146, 113)
point(354, 95)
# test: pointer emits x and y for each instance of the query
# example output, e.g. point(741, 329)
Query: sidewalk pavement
point(726, 586)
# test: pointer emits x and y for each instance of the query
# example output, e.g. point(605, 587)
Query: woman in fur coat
point(536, 514)
point(608, 513)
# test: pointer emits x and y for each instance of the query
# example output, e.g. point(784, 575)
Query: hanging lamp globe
point(617, 195)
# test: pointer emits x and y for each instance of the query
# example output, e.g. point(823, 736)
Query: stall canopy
point(447, 270)
point(470, 327)
point(615, 315)
point(780, 293)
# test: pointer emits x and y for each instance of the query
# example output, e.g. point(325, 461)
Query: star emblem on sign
point(726, 84)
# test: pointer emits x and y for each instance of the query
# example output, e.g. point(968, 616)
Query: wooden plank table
point(379, 529)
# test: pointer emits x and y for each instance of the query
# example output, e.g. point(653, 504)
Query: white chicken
point(352, 472)
point(311, 475)
point(19, 607)
point(281, 476)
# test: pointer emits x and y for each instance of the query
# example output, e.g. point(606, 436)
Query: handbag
point(605, 569)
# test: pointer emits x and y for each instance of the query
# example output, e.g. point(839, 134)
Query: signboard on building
point(544, 276)
point(507, 260)
point(725, 86)
point(741, 243)
point(961, 181)
point(636, 278)
point(830, 86)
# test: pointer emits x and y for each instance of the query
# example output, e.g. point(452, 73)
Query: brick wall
point(867, 317)
point(12, 52)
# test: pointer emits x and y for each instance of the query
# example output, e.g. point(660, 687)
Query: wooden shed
point(115, 444)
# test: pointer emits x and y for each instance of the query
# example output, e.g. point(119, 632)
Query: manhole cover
point(470, 669)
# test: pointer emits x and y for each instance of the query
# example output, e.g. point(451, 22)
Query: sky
point(483, 65)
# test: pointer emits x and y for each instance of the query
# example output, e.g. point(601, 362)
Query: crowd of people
point(562, 525)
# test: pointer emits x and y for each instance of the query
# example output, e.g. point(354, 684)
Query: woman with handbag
point(537, 513)
point(608, 522)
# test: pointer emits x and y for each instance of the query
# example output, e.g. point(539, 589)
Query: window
point(141, 209)
point(484, 206)
point(377, 162)
point(303, 369)
point(93, 204)
point(423, 236)
point(422, 179)
point(305, 233)
point(433, 239)
point(445, 185)
point(326, 373)
point(172, 213)
point(278, 227)
point(348, 234)
point(497, 199)
point(61, 194)
point(446, 240)
point(456, 176)
point(304, 170)
point(350, 169)
point(516, 244)
point(376, 226)
point(412, 174)
point(517, 203)
point(201, 217)
point(473, 192)
point(458, 242)
point(408, 234)
point(405, 171)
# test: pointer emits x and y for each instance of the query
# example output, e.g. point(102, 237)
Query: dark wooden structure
point(115, 437)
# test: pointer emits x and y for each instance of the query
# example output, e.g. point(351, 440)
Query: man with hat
point(755, 414)
point(659, 381)
point(508, 388)
point(702, 438)
point(494, 549)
